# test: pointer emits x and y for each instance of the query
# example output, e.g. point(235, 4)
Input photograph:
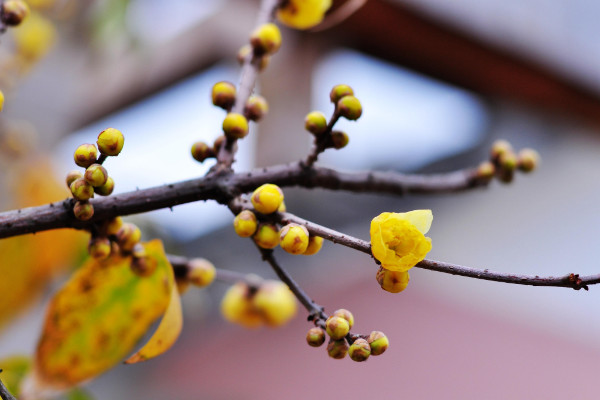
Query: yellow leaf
point(166, 334)
point(96, 319)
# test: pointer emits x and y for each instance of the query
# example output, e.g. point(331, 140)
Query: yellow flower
point(303, 14)
point(398, 239)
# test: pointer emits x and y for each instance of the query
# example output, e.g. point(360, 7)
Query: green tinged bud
point(82, 190)
point(256, 107)
point(359, 350)
point(349, 107)
point(73, 176)
point(347, 315)
point(107, 188)
point(315, 122)
point(379, 343)
point(201, 151)
point(110, 142)
point(340, 91)
point(83, 210)
point(99, 248)
point(315, 337)
point(339, 139)
point(96, 175)
point(85, 155)
point(337, 349)
point(529, 160)
point(337, 327)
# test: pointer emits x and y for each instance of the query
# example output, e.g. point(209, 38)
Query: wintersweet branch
point(573, 281)
point(224, 187)
point(180, 269)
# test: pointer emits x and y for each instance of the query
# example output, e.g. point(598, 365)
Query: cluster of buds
point(268, 302)
point(346, 106)
point(197, 271)
point(95, 178)
point(264, 41)
point(504, 162)
point(341, 342)
point(293, 238)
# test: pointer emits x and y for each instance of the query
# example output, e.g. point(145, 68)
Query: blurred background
point(439, 82)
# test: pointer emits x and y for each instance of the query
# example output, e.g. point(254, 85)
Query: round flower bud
point(73, 176)
point(245, 223)
point(113, 226)
point(359, 350)
point(337, 349)
point(236, 306)
point(315, 122)
point(337, 327)
point(347, 315)
point(218, 143)
point(529, 160)
point(266, 39)
point(339, 139)
point(508, 161)
point(201, 151)
point(235, 125)
point(107, 188)
point(96, 175)
point(267, 198)
point(266, 236)
point(256, 107)
point(99, 248)
point(201, 272)
point(340, 91)
point(294, 238)
point(110, 142)
point(83, 210)
point(486, 171)
point(499, 147)
point(275, 302)
point(82, 190)
point(349, 107)
point(1, 100)
point(223, 95)
point(392, 281)
point(128, 236)
point(315, 337)
point(85, 155)
point(143, 266)
point(314, 245)
point(13, 12)
point(378, 342)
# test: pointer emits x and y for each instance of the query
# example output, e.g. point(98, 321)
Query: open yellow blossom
point(398, 239)
point(303, 14)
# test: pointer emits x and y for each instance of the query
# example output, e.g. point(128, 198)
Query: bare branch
point(226, 186)
point(180, 269)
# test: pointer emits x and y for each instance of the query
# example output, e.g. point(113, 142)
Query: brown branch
point(322, 141)
point(4, 393)
point(224, 187)
point(248, 75)
point(573, 281)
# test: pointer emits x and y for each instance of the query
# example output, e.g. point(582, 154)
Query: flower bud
point(378, 342)
point(275, 302)
point(201, 151)
point(110, 142)
point(340, 91)
point(128, 236)
point(82, 190)
point(315, 122)
point(359, 350)
point(267, 198)
point(266, 236)
point(256, 107)
point(339, 139)
point(219, 141)
point(349, 107)
point(294, 238)
point(85, 155)
point(245, 223)
point(235, 125)
point(113, 226)
point(337, 349)
point(314, 245)
point(99, 248)
point(236, 306)
point(486, 171)
point(73, 176)
point(107, 188)
point(96, 175)
point(143, 266)
point(201, 272)
point(315, 337)
point(529, 160)
point(266, 39)
point(499, 147)
point(508, 161)
point(83, 210)
point(223, 95)
point(13, 12)
point(347, 315)
point(139, 251)
point(337, 327)
point(392, 281)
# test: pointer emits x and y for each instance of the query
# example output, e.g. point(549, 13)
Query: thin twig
point(223, 188)
point(573, 281)
point(180, 269)
point(4, 393)
point(322, 141)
